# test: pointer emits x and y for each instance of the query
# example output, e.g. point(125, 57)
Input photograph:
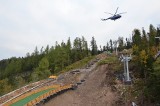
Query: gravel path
point(94, 91)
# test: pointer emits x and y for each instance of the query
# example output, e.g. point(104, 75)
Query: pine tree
point(93, 46)
point(121, 43)
point(42, 70)
point(128, 43)
point(152, 35)
point(68, 50)
point(158, 39)
point(111, 45)
point(47, 50)
point(84, 47)
point(36, 52)
point(136, 39)
point(144, 43)
point(77, 49)
point(107, 47)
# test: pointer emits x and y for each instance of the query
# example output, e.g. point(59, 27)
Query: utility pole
point(125, 72)
point(127, 59)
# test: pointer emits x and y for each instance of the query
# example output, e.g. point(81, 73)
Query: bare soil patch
point(96, 90)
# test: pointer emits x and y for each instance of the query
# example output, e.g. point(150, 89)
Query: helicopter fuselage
point(115, 17)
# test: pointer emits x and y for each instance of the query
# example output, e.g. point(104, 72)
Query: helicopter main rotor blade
point(123, 13)
point(116, 11)
point(108, 13)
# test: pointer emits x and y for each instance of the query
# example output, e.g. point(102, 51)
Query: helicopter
point(115, 15)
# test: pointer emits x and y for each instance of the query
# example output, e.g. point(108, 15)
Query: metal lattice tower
point(126, 59)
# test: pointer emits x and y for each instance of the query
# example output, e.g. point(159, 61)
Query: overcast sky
point(25, 24)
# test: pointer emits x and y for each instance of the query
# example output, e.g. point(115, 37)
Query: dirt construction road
point(94, 91)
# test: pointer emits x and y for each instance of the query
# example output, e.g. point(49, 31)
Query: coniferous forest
point(16, 72)
point(145, 66)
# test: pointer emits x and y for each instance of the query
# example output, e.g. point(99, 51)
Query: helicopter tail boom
point(104, 19)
